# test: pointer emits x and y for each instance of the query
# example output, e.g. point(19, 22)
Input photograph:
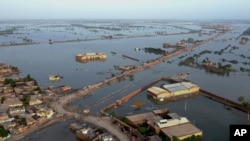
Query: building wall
point(164, 95)
point(181, 92)
point(91, 56)
point(186, 136)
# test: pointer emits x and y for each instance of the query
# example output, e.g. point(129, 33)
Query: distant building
point(181, 88)
point(3, 116)
point(171, 90)
point(16, 108)
point(164, 123)
point(181, 131)
point(159, 93)
point(90, 56)
point(54, 77)
point(33, 102)
point(65, 89)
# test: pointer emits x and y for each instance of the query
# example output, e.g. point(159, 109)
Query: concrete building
point(65, 89)
point(182, 88)
point(165, 123)
point(181, 131)
point(171, 90)
point(3, 116)
point(159, 93)
point(139, 118)
point(33, 102)
point(90, 56)
point(16, 108)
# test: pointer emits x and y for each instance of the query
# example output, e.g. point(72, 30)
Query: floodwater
point(42, 59)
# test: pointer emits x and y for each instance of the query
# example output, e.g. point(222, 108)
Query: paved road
point(106, 123)
point(103, 122)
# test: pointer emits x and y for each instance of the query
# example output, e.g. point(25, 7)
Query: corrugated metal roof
point(188, 84)
point(156, 90)
point(178, 86)
point(174, 87)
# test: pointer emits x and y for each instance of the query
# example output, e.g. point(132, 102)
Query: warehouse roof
point(181, 130)
point(156, 90)
point(139, 117)
point(178, 86)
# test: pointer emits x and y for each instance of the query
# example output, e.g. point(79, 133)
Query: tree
point(3, 133)
point(241, 99)
point(2, 99)
point(113, 114)
point(26, 99)
point(16, 117)
point(175, 138)
point(23, 121)
point(131, 77)
point(112, 75)
point(10, 81)
point(142, 129)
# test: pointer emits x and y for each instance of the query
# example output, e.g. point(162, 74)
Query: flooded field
point(52, 46)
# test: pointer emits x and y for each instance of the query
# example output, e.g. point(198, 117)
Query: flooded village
point(100, 90)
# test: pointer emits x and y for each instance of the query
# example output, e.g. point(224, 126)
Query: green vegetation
point(247, 32)
point(231, 61)
point(131, 77)
point(187, 62)
point(205, 52)
point(3, 133)
point(25, 79)
point(222, 50)
point(112, 75)
point(241, 99)
point(2, 99)
point(142, 129)
point(29, 78)
point(244, 69)
point(23, 121)
point(15, 69)
point(26, 99)
point(99, 130)
point(10, 81)
point(38, 89)
point(244, 102)
point(210, 67)
point(113, 114)
point(196, 56)
point(157, 51)
point(125, 120)
point(16, 117)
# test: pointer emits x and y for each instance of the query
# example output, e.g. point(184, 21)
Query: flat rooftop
point(139, 117)
point(160, 111)
point(181, 130)
point(156, 90)
point(179, 86)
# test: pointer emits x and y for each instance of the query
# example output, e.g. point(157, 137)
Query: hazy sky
point(124, 9)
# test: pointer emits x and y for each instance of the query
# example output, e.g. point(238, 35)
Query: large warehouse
point(159, 93)
point(181, 88)
point(170, 90)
